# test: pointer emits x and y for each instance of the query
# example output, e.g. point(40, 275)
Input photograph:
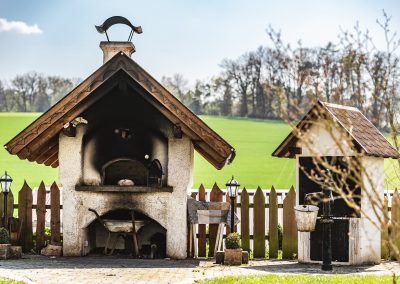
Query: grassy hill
point(254, 141)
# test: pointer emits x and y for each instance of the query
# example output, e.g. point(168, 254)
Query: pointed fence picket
point(289, 240)
point(25, 216)
point(41, 217)
point(216, 196)
point(244, 220)
point(55, 224)
point(259, 224)
point(273, 239)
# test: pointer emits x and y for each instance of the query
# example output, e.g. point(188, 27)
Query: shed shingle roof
point(365, 135)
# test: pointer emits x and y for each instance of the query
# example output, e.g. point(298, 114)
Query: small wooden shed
point(334, 132)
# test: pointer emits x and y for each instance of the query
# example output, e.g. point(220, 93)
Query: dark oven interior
point(128, 144)
point(151, 237)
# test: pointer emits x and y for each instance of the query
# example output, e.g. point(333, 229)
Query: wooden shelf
point(116, 188)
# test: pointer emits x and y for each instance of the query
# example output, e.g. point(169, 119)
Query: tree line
point(274, 81)
point(33, 92)
point(279, 80)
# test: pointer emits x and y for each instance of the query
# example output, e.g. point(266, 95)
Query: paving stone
point(39, 269)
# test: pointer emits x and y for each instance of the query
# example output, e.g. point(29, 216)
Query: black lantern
point(5, 182)
point(232, 186)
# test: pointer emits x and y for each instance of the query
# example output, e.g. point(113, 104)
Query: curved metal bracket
point(118, 20)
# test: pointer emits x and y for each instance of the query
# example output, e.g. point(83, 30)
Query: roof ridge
point(340, 106)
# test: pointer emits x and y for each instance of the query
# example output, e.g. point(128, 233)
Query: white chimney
point(110, 48)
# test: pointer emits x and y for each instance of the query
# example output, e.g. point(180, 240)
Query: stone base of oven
point(157, 206)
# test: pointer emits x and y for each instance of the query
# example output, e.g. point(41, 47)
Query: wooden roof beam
point(58, 125)
point(48, 146)
point(42, 158)
point(51, 159)
point(41, 123)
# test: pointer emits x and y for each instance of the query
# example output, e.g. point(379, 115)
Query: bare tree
point(367, 78)
point(178, 86)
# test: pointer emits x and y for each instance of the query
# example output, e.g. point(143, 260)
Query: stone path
point(38, 269)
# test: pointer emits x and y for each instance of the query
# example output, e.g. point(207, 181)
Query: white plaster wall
point(91, 176)
point(322, 142)
point(370, 234)
point(180, 177)
point(70, 174)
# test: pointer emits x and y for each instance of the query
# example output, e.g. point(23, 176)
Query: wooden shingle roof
point(39, 141)
point(366, 137)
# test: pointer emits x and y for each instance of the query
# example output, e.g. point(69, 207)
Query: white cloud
point(19, 27)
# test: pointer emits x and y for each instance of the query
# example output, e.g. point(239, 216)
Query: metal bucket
point(306, 217)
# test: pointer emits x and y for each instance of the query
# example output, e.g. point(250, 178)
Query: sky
point(182, 36)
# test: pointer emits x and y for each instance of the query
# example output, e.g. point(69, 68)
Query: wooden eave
point(39, 141)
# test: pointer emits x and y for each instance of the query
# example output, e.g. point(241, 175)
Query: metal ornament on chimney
point(118, 20)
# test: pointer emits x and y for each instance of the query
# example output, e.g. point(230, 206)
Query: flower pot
point(15, 251)
point(5, 251)
point(233, 257)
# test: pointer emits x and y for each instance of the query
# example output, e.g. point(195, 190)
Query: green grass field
point(254, 141)
point(303, 278)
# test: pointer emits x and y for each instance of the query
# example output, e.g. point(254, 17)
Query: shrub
point(280, 236)
point(233, 241)
point(4, 239)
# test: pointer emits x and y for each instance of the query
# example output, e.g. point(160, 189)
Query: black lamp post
point(232, 186)
point(327, 221)
point(5, 182)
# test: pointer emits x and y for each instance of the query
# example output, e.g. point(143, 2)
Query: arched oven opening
point(150, 235)
point(124, 171)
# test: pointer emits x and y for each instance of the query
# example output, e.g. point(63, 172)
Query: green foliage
point(303, 278)
point(4, 237)
point(232, 241)
point(9, 281)
point(280, 236)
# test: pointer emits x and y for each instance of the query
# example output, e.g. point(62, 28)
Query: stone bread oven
point(121, 124)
